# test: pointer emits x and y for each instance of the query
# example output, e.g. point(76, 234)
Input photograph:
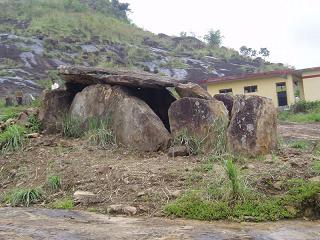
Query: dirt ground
point(310, 131)
point(146, 181)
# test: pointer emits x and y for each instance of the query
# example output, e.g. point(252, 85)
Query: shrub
point(24, 197)
point(53, 182)
point(71, 127)
point(12, 138)
point(232, 174)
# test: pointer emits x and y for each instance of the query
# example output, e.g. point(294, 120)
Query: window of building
point(226, 91)
point(251, 89)
point(281, 87)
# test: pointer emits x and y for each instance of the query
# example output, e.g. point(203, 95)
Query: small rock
point(315, 179)
point(9, 122)
point(116, 209)
point(84, 197)
point(140, 194)
point(175, 194)
point(277, 185)
point(129, 210)
point(178, 151)
point(33, 135)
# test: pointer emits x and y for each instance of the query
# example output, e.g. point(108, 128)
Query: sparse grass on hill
point(64, 203)
point(23, 197)
point(12, 138)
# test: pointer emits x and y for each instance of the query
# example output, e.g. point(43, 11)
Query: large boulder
point(131, 119)
point(91, 102)
point(134, 122)
point(227, 101)
point(253, 127)
point(192, 90)
point(197, 117)
point(55, 106)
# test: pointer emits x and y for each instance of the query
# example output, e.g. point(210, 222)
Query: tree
point(183, 34)
point(264, 52)
point(120, 9)
point(245, 51)
point(213, 38)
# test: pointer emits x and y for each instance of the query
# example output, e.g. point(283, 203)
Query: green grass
point(12, 138)
point(34, 124)
point(299, 144)
point(316, 167)
point(24, 197)
point(64, 203)
point(72, 127)
point(302, 112)
point(193, 143)
point(53, 182)
point(195, 205)
point(232, 174)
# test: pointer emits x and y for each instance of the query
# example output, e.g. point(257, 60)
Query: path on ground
point(32, 223)
point(309, 131)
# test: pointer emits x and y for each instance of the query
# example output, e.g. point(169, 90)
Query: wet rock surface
point(28, 224)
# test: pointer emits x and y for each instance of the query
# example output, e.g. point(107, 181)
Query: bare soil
point(146, 181)
point(309, 131)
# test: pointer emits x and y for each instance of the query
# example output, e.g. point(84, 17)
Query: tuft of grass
point(64, 203)
point(53, 182)
point(232, 174)
point(193, 143)
point(71, 127)
point(316, 167)
point(99, 132)
point(24, 197)
point(299, 144)
point(12, 138)
point(34, 124)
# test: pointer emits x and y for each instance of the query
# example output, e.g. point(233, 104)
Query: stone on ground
point(253, 127)
point(84, 197)
point(55, 106)
point(197, 117)
point(178, 151)
point(192, 90)
point(227, 101)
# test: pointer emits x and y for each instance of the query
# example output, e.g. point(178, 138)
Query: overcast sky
point(290, 29)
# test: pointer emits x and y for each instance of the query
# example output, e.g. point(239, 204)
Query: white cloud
point(289, 28)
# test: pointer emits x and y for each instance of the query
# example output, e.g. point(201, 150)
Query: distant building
point(284, 87)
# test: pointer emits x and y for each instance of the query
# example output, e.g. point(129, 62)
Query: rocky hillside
point(36, 36)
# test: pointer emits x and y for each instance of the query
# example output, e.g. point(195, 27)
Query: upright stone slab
point(192, 90)
point(196, 116)
point(55, 106)
point(227, 101)
point(253, 127)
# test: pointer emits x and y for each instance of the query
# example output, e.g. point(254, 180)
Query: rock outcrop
point(253, 127)
point(55, 106)
point(227, 101)
point(196, 117)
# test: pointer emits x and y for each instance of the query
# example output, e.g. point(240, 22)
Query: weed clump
point(53, 182)
point(12, 138)
point(64, 203)
point(71, 127)
point(99, 133)
point(24, 197)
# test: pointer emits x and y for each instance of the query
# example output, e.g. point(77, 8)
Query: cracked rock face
point(253, 126)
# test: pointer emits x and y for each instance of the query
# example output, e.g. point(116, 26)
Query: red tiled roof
point(249, 76)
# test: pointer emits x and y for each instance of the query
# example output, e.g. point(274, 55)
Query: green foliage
point(12, 138)
point(64, 203)
point(316, 167)
point(256, 207)
point(213, 38)
point(302, 111)
point(23, 197)
point(232, 174)
point(175, 63)
point(300, 144)
point(53, 182)
point(72, 128)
